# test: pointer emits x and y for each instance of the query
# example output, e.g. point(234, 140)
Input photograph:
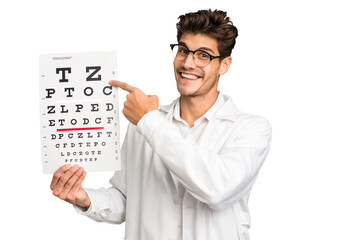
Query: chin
point(186, 90)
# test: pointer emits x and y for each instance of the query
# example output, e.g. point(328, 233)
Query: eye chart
point(79, 111)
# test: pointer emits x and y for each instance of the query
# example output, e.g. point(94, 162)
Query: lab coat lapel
point(212, 137)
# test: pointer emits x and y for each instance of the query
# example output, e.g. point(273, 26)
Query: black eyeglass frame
point(193, 52)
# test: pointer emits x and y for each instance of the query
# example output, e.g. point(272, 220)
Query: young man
point(187, 168)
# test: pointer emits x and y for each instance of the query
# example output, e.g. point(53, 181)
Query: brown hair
point(215, 24)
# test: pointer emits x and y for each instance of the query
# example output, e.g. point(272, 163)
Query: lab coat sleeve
point(219, 179)
point(109, 204)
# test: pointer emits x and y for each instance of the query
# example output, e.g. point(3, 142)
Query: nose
point(189, 62)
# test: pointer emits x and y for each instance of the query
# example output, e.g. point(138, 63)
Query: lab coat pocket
point(242, 220)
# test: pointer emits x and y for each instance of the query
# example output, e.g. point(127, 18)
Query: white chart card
point(79, 111)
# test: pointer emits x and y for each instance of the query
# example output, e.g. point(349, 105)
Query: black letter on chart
point(51, 109)
point(107, 87)
point(90, 77)
point(63, 70)
point(50, 91)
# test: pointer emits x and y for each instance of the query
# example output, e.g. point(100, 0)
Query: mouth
point(189, 76)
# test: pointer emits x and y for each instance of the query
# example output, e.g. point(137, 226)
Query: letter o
point(91, 91)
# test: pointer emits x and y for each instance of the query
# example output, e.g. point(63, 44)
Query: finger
point(57, 175)
point(63, 180)
point(70, 183)
point(155, 97)
point(122, 85)
point(71, 195)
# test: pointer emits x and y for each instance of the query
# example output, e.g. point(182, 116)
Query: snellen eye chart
point(79, 111)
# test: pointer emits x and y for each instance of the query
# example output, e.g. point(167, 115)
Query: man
point(187, 168)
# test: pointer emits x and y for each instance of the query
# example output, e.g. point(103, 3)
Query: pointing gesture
point(122, 85)
point(137, 103)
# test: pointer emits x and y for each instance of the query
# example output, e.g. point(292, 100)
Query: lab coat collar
point(228, 111)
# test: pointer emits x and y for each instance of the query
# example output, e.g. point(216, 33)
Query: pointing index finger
point(122, 85)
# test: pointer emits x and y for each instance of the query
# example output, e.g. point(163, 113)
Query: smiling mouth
point(189, 76)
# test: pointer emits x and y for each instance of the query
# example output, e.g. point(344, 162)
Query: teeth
point(189, 76)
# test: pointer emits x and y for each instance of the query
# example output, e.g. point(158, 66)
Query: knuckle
point(62, 181)
point(70, 183)
point(73, 169)
point(77, 174)
point(135, 91)
point(57, 175)
point(62, 196)
point(70, 197)
point(83, 176)
point(156, 98)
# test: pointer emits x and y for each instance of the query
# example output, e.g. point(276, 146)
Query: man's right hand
point(66, 185)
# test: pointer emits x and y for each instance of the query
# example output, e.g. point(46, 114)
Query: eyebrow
point(202, 48)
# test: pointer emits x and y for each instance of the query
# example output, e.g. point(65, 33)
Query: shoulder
point(242, 121)
point(229, 111)
point(251, 120)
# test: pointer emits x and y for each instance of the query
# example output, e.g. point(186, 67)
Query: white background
point(295, 62)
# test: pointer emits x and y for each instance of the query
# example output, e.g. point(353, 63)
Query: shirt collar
point(223, 109)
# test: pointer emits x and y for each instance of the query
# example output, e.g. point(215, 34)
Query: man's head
point(205, 41)
point(215, 24)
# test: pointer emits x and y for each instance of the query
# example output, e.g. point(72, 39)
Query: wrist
point(83, 200)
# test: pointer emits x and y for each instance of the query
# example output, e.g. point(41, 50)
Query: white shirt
point(178, 182)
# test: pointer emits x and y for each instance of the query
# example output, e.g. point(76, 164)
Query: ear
point(225, 65)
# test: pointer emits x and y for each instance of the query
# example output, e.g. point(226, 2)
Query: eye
point(203, 55)
point(183, 50)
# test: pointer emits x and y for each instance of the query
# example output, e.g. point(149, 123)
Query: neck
point(193, 107)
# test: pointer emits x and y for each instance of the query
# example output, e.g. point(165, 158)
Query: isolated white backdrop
point(295, 62)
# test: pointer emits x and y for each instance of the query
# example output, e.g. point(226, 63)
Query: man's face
point(193, 80)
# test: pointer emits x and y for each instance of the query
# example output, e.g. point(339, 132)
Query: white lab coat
point(209, 178)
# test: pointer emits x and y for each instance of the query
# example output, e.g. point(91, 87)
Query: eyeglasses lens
point(200, 58)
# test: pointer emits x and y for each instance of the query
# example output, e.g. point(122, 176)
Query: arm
point(108, 205)
point(102, 205)
point(218, 179)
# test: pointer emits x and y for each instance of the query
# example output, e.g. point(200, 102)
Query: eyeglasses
point(201, 58)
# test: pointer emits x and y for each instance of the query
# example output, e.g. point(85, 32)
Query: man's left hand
point(137, 103)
